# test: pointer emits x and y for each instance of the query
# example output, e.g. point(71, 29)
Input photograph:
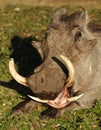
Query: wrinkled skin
point(69, 36)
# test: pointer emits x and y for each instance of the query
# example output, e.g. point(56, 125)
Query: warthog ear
point(56, 20)
point(58, 14)
point(81, 18)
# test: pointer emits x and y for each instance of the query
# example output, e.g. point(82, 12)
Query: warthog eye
point(77, 36)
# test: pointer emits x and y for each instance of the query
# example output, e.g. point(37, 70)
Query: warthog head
point(61, 82)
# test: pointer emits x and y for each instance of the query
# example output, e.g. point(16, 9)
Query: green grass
point(19, 25)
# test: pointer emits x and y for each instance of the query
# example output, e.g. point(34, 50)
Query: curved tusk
point(72, 99)
point(70, 68)
point(22, 80)
point(38, 99)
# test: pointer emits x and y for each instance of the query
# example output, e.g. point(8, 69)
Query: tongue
point(61, 100)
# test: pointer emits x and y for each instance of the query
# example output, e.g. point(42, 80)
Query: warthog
point(72, 83)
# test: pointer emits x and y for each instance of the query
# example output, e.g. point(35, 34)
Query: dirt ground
point(45, 2)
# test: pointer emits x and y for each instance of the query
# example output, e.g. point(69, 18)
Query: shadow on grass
point(26, 57)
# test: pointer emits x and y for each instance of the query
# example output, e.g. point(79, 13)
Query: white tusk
point(22, 80)
point(55, 104)
point(70, 68)
point(38, 99)
point(72, 99)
